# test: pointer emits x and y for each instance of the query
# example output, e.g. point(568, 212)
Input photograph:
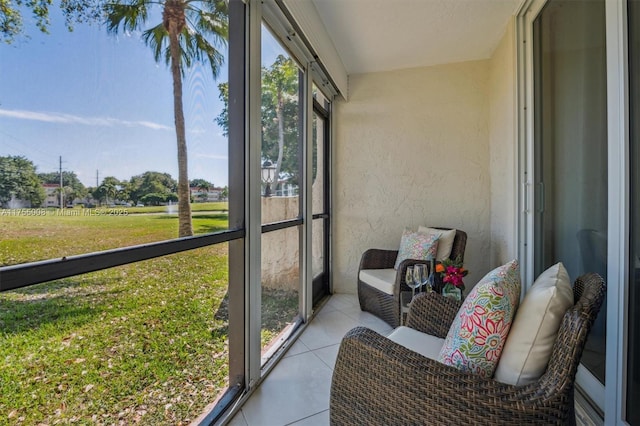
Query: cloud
point(55, 117)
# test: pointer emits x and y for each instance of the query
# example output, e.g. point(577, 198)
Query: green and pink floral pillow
point(416, 245)
point(476, 337)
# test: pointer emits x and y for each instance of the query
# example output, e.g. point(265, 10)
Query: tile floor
point(296, 392)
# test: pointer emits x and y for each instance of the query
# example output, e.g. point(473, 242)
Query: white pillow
point(445, 243)
point(528, 348)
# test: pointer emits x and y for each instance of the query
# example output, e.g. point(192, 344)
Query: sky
point(102, 104)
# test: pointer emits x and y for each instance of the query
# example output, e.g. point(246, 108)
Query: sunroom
point(326, 128)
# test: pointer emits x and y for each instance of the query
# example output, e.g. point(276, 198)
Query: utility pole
point(61, 187)
point(97, 179)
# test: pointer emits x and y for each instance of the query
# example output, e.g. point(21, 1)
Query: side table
point(405, 305)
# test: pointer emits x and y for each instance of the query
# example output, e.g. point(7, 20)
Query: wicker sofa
point(377, 381)
point(387, 306)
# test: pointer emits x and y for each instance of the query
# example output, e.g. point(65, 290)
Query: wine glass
point(432, 275)
point(411, 281)
point(420, 274)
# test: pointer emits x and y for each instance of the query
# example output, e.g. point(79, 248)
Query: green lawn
point(33, 238)
point(144, 343)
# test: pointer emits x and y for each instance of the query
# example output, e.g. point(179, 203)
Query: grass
point(33, 238)
point(144, 343)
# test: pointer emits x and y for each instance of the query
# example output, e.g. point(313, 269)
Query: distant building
point(52, 198)
point(203, 195)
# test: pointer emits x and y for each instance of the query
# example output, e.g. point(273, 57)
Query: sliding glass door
point(320, 196)
point(633, 333)
point(281, 174)
point(570, 155)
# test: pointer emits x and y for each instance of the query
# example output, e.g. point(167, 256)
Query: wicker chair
point(387, 306)
point(378, 382)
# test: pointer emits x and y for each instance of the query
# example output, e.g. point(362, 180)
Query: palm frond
point(215, 24)
point(157, 38)
point(202, 40)
point(131, 16)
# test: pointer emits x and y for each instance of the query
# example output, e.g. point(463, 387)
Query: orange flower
point(439, 267)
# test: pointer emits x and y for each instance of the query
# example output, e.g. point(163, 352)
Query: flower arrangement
point(452, 272)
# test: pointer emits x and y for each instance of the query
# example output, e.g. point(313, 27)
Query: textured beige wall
point(411, 147)
point(281, 249)
point(503, 150)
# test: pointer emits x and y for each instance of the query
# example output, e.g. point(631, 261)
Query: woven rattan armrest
point(432, 314)
point(378, 259)
point(377, 381)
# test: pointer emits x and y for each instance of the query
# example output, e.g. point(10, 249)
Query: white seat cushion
point(382, 279)
point(526, 353)
point(424, 344)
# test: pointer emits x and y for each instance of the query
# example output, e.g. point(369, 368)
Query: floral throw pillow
point(476, 337)
point(416, 245)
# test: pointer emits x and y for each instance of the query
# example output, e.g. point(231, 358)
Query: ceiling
point(383, 35)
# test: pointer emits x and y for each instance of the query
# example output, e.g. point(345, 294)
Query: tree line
point(19, 181)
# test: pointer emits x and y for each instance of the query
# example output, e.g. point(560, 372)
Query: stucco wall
point(411, 147)
point(503, 150)
point(281, 249)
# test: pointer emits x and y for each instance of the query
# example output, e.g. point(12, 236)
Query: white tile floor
point(296, 392)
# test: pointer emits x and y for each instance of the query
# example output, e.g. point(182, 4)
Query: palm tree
point(181, 39)
point(279, 86)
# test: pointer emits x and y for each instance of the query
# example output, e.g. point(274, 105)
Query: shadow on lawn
point(222, 318)
point(279, 308)
point(203, 223)
point(32, 307)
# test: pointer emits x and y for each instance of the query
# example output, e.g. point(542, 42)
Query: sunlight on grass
point(124, 344)
point(34, 238)
point(144, 343)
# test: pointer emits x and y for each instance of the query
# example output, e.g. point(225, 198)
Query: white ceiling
point(383, 35)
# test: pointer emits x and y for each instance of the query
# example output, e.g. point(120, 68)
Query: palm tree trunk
point(280, 116)
point(184, 207)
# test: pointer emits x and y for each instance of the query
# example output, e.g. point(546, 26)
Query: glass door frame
point(258, 13)
point(610, 398)
point(324, 279)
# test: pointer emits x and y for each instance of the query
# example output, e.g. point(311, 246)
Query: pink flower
point(452, 272)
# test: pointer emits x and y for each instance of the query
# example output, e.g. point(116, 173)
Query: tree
point(279, 115)
point(73, 188)
point(201, 183)
point(151, 183)
point(279, 95)
point(187, 34)
point(66, 192)
point(19, 182)
point(153, 199)
point(11, 22)
point(222, 120)
point(108, 189)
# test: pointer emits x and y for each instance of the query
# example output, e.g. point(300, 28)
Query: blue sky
point(102, 103)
